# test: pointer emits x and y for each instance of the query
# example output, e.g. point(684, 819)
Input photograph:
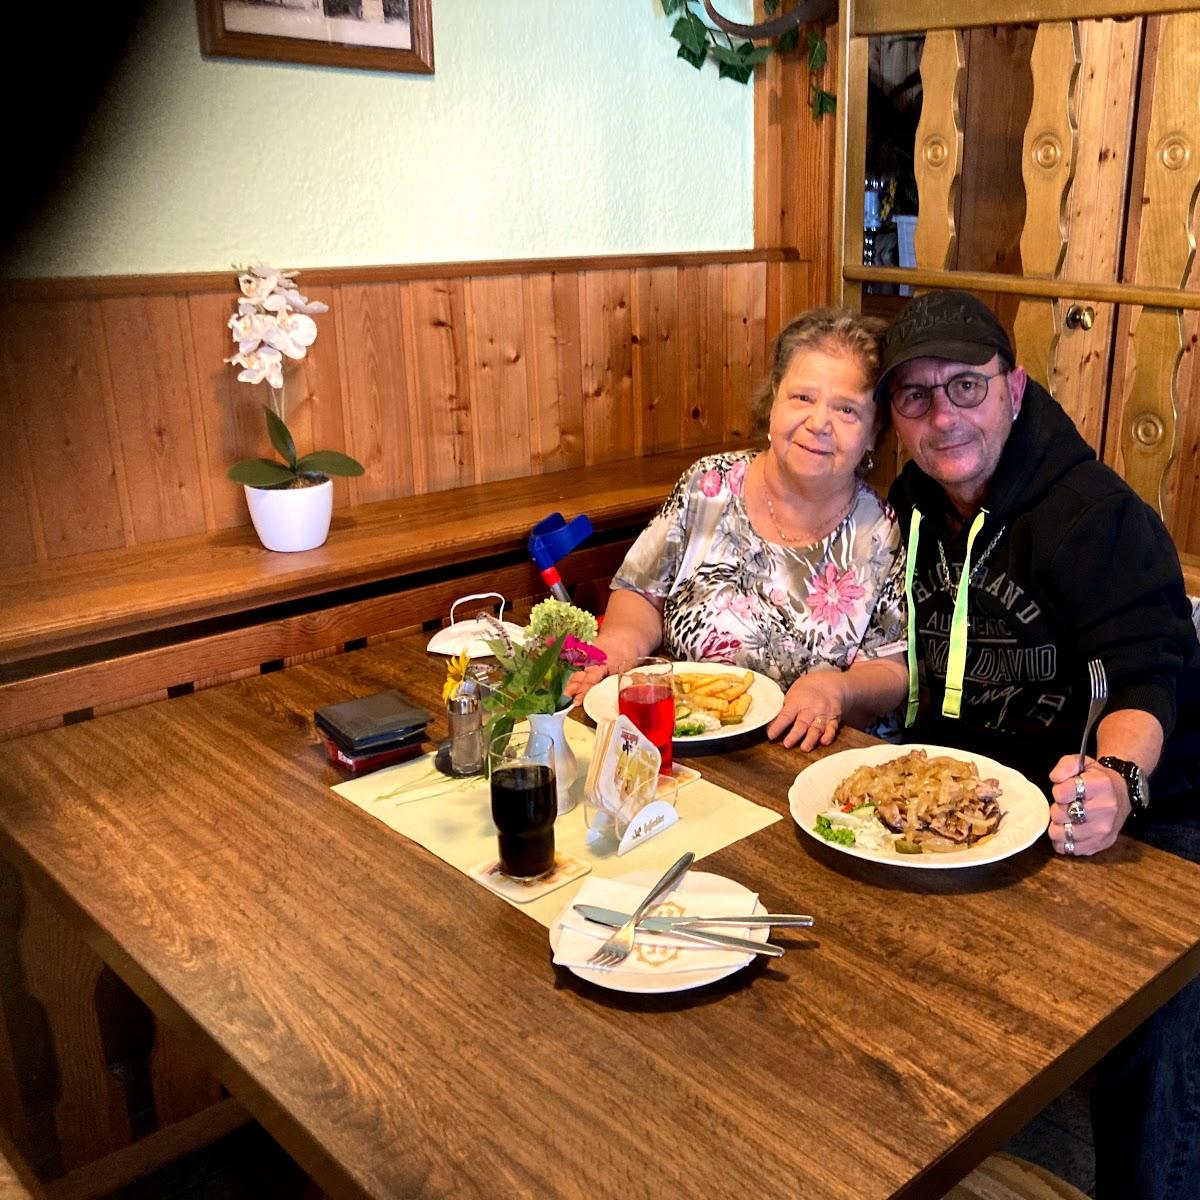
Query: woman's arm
point(632, 629)
point(819, 702)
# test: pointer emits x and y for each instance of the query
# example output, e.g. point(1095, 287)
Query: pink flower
point(719, 647)
point(710, 482)
point(579, 654)
point(832, 595)
point(778, 597)
point(737, 475)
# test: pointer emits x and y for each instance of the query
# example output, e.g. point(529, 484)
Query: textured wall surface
point(552, 127)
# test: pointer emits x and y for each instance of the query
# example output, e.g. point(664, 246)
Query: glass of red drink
point(524, 802)
point(646, 695)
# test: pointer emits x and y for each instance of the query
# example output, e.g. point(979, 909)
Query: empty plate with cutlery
point(662, 960)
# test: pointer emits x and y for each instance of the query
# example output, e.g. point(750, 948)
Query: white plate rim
point(766, 699)
point(678, 981)
point(1027, 812)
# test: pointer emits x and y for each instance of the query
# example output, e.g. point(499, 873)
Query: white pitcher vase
point(566, 767)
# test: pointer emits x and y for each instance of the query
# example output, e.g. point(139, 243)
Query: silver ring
point(1076, 812)
point(1069, 844)
point(1080, 788)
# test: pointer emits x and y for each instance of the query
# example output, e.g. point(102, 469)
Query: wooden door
point(1069, 153)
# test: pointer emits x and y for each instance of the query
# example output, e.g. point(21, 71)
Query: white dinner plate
point(1026, 810)
point(766, 699)
point(677, 981)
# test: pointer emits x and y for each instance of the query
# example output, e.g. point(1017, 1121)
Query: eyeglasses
point(967, 390)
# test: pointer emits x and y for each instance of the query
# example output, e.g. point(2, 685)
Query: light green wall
point(552, 127)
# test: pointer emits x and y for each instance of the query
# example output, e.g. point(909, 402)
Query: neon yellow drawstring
point(956, 664)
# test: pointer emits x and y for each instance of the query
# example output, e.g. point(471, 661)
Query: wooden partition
point(123, 416)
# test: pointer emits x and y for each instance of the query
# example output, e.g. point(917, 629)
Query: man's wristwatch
point(1136, 782)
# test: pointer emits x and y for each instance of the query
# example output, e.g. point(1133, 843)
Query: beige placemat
point(453, 819)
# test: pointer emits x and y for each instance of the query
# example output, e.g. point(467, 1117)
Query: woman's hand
point(579, 683)
point(1105, 805)
point(812, 711)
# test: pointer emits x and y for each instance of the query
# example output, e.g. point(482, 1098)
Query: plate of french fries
point(868, 802)
point(712, 701)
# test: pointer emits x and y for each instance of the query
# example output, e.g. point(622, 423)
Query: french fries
point(727, 697)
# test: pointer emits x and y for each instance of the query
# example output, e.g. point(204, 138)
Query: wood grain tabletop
point(403, 1033)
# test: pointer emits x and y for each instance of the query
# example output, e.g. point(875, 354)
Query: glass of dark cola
point(524, 802)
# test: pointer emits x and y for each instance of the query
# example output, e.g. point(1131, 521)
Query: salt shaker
point(466, 729)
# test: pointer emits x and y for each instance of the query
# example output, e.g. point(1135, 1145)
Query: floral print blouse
point(733, 597)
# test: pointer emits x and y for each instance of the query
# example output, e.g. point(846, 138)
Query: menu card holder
point(625, 798)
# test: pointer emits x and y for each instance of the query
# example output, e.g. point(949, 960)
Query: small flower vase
point(566, 768)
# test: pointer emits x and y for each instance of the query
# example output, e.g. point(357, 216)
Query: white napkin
point(653, 953)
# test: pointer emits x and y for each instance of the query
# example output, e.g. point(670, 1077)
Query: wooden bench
point(92, 632)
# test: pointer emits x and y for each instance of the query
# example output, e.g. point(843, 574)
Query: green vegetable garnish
point(833, 833)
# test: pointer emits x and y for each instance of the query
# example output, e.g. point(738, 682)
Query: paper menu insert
point(622, 792)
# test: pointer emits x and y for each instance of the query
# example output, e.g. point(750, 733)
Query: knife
point(661, 924)
point(608, 916)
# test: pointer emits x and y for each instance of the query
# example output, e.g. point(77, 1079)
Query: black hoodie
point(1069, 565)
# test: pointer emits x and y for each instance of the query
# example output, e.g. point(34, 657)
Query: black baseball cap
point(951, 325)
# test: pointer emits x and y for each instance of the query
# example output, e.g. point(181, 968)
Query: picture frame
point(366, 34)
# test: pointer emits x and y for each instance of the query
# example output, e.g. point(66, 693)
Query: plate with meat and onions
point(928, 807)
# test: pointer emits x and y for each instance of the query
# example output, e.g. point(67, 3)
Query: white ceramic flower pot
point(291, 518)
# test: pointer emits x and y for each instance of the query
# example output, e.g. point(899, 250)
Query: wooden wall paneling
point(701, 354)
point(745, 355)
point(112, 427)
point(656, 342)
point(1161, 252)
point(991, 208)
point(231, 412)
point(318, 393)
point(162, 464)
point(769, 133)
point(939, 148)
point(499, 376)
point(553, 340)
point(61, 972)
point(1048, 156)
point(443, 449)
point(51, 364)
point(21, 524)
point(205, 485)
point(1182, 497)
point(376, 400)
point(1104, 107)
point(610, 411)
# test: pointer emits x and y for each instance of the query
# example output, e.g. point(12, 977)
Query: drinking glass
point(646, 695)
point(524, 802)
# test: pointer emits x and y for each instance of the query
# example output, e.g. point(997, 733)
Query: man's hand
point(1105, 805)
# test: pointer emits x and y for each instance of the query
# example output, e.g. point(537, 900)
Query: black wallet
point(374, 722)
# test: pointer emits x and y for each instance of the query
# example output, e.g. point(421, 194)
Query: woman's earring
point(768, 439)
point(868, 463)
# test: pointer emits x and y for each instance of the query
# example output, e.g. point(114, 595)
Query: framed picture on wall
point(379, 35)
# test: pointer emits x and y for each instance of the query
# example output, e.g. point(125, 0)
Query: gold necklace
point(788, 537)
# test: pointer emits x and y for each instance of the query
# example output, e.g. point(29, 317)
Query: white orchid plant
point(273, 323)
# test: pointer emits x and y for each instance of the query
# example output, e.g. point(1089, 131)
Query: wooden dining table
point(403, 1032)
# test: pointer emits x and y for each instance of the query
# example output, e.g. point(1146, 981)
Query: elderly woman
point(781, 560)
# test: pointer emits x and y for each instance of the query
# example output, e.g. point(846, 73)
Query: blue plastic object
point(551, 541)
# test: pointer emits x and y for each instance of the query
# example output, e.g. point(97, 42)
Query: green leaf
point(670, 6)
point(260, 472)
point(724, 55)
point(788, 41)
point(689, 32)
point(828, 103)
point(697, 60)
point(740, 74)
point(770, 6)
point(329, 462)
point(818, 52)
point(281, 439)
point(752, 55)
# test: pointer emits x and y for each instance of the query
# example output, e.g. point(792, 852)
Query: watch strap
point(1135, 781)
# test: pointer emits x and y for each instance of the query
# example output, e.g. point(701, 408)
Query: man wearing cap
point(1028, 559)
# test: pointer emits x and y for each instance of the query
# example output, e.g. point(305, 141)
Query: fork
point(1098, 681)
point(618, 946)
